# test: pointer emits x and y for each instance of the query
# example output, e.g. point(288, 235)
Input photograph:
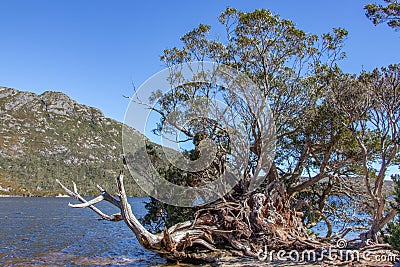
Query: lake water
point(45, 231)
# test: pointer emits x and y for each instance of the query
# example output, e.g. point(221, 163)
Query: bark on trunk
point(243, 226)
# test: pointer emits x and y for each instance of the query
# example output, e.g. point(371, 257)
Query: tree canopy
point(388, 13)
point(335, 136)
point(319, 140)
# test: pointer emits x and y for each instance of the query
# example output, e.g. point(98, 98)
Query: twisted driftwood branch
point(182, 235)
point(237, 227)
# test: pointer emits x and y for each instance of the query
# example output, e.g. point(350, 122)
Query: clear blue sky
point(93, 50)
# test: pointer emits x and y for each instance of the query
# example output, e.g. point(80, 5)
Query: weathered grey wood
point(81, 199)
point(88, 203)
point(229, 227)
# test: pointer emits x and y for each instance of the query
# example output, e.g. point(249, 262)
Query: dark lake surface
point(46, 232)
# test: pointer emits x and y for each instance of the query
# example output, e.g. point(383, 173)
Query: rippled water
point(45, 231)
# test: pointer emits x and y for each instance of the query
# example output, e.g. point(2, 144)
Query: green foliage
point(291, 69)
point(394, 238)
point(161, 215)
point(389, 13)
point(34, 175)
point(394, 228)
point(332, 128)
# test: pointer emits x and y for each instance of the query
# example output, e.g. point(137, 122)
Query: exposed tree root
point(243, 227)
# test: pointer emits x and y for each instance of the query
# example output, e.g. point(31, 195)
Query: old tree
point(336, 136)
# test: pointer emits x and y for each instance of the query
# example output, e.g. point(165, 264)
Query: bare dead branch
point(81, 199)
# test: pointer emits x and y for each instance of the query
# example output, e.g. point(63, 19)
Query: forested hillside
point(50, 136)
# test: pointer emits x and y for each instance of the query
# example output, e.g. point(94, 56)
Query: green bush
point(394, 238)
point(394, 227)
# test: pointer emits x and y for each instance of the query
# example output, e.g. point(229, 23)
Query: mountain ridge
point(50, 136)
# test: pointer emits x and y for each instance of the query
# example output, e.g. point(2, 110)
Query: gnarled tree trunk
point(243, 226)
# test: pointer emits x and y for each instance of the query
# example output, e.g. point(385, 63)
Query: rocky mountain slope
point(49, 136)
